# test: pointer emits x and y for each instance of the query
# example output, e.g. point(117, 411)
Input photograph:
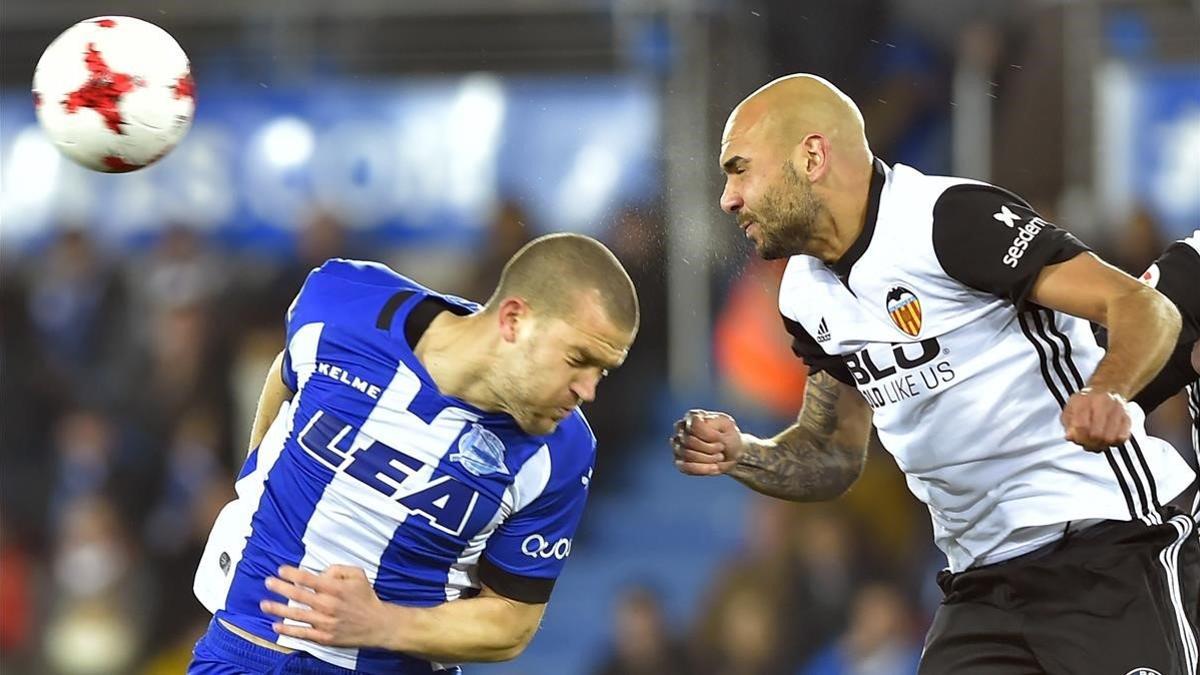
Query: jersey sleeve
point(992, 241)
point(528, 551)
point(804, 346)
point(292, 321)
point(1174, 275)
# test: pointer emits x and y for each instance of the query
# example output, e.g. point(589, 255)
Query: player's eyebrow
point(593, 360)
point(734, 163)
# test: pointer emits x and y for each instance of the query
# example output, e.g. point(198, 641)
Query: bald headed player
point(413, 503)
point(950, 316)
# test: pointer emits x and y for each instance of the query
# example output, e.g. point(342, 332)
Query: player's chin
point(539, 425)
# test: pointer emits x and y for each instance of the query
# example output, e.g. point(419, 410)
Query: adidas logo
point(822, 331)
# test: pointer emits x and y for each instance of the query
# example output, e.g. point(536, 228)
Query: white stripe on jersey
point(528, 484)
point(531, 480)
point(1193, 400)
point(1169, 559)
point(232, 526)
point(353, 526)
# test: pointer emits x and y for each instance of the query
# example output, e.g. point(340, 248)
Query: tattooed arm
point(815, 459)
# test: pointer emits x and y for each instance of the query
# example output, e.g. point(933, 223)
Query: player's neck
point(847, 218)
point(455, 355)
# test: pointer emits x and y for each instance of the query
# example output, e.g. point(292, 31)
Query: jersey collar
point(842, 267)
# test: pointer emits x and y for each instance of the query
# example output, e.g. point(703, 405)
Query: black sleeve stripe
point(285, 368)
point(805, 347)
point(991, 240)
point(531, 590)
point(384, 320)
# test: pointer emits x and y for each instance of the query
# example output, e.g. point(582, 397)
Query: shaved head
point(558, 273)
point(797, 167)
point(792, 107)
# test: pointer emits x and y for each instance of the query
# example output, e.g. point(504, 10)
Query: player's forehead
point(592, 334)
point(742, 130)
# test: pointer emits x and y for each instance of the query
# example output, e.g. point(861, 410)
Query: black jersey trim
point(1052, 324)
point(842, 267)
point(388, 313)
point(1050, 352)
point(1143, 481)
point(531, 590)
point(1150, 482)
point(1112, 462)
point(1142, 494)
point(806, 348)
point(1043, 361)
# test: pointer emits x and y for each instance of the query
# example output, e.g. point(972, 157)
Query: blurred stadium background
point(140, 311)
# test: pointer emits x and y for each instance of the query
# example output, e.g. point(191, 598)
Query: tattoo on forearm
point(804, 464)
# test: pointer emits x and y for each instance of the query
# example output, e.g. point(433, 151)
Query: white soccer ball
point(114, 93)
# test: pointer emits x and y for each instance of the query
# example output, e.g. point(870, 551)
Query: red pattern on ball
point(184, 86)
point(103, 91)
point(118, 165)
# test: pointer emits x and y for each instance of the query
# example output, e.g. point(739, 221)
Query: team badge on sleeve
point(481, 452)
point(905, 310)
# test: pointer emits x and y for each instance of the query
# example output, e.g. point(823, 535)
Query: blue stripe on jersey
point(427, 404)
point(290, 496)
point(249, 465)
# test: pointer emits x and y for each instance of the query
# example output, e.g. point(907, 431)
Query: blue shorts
point(222, 652)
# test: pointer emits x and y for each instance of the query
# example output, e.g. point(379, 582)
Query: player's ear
point(512, 312)
point(811, 157)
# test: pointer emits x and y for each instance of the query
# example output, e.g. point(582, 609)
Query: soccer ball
point(114, 93)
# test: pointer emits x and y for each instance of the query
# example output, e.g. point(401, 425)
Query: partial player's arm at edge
point(821, 455)
point(1143, 325)
point(274, 393)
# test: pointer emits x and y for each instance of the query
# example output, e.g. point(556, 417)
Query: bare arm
point(274, 393)
point(488, 627)
point(815, 459)
point(1143, 325)
point(340, 608)
point(821, 455)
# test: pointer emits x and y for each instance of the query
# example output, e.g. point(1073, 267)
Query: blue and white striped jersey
point(370, 465)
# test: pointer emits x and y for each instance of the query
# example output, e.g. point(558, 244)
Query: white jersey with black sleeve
point(928, 315)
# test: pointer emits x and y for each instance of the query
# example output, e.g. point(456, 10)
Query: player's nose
point(584, 389)
point(731, 200)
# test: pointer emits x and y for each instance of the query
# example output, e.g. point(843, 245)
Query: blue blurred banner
point(1166, 134)
point(1148, 143)
point(406, 160)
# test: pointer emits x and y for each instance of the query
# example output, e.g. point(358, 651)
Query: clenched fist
point(1097, 420)
point(706, 443)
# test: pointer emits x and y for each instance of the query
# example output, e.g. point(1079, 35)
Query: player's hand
point(1196, 357)
point(1096, 419)
point(706, 443)
point(338, 606)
